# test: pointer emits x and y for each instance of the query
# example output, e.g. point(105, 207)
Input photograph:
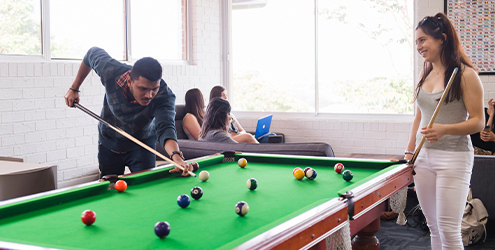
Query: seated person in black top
point(484, 141)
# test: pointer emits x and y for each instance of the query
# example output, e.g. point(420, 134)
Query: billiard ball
point(183, 200)
point(311, 174)
point(347, 175)
point(204, 175)
point(298, 173)
point(306, 169)
point(294, 171)
point(120, 185)
point(162, 229)
point(241, 208)
point(196, 193)
point(252, 184)
point(88, 217)
point(242, 162)
point(339, 167)
point(195, 166)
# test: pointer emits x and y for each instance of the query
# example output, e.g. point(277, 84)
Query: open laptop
point(263, 126)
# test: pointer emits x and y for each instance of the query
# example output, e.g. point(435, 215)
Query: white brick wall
point(36, 125)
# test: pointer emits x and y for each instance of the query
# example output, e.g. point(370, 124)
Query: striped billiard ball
point(252, 184)
point(311, 174)
point(339, 168)
point(241, 208)
point(242, 162)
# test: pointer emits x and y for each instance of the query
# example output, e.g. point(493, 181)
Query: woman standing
point(443, 167)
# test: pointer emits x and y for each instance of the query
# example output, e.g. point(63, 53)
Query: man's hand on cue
point(187, 167)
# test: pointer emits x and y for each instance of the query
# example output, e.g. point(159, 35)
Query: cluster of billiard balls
point(88, 217)
point(340, 169)
point(183, 200)
point(309, 172)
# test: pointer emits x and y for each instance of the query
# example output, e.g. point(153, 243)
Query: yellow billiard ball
point(298, 173)
point(242, 162)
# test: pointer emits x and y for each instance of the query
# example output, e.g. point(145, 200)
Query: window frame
point(45, 38)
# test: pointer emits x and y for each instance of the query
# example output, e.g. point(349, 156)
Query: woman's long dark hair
point(216, 92)
point(195, 104)
point(452, 54)
point(216, 116)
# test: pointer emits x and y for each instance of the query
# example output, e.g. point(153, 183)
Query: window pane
point(274, 57)
point(20, 27)
point(156, 29)
point(76, 26)
point(365, 56)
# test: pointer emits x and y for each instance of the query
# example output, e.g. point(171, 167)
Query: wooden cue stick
point(130, 137)
point(442, 99)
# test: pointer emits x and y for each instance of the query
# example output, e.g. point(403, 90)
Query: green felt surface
point(126, 220)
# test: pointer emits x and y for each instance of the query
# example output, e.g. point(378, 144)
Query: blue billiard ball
point(183, 200)
point(241, 208)
point(311, 174)
point(162, 229)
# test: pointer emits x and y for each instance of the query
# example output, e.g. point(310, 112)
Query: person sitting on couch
point(195, 111)
point(484, 141)
point(216, 123)
point(236, 131)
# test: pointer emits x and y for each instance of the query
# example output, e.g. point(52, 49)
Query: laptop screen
point(263, 126)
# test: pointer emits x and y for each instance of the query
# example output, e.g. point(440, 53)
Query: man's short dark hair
point(148, 68)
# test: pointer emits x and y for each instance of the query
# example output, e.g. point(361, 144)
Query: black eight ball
point(196, 192)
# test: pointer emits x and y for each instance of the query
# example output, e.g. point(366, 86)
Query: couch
point(193, 149)
point(482, 182)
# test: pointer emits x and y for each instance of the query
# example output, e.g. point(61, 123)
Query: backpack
point(473, 221)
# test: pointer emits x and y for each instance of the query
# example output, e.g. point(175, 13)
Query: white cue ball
point(204, 175)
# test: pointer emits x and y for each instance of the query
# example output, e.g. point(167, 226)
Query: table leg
point(366, 239)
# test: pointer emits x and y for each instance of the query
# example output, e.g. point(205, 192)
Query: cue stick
point(430, 124)
point(130, 137)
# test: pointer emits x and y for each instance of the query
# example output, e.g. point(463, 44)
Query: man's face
point(144, 90)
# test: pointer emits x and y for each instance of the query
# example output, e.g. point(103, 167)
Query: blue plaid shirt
point(146, 123)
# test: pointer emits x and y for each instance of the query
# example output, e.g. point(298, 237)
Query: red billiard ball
point(339, 168)
point(120, 185)
point(195, 166)
point(88, 217)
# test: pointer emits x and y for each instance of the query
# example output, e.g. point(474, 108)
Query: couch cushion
point(194, 149)
point(179, 115)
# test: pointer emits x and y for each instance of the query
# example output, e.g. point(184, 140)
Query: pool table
point(285, 213)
